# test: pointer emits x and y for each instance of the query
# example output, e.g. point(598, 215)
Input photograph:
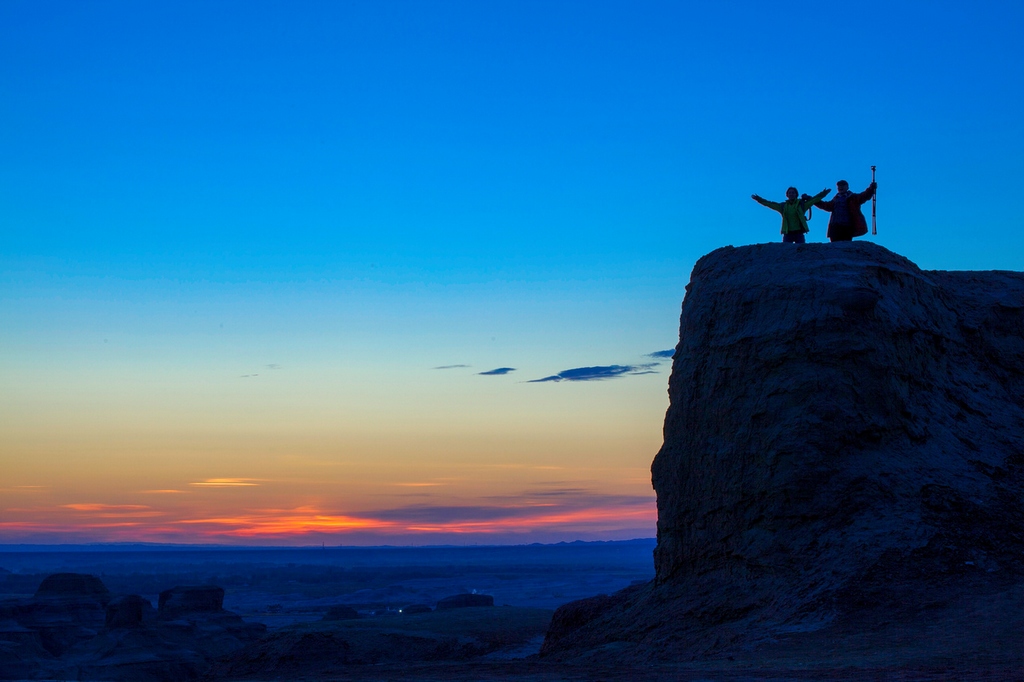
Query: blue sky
point(241, 235)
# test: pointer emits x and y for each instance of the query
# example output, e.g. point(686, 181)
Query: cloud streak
point(225, 483)
point(95, 507)
point(497, 372)
point(599, 373)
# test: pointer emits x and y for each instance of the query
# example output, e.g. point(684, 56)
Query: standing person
point(794, 224)
point(847, 221)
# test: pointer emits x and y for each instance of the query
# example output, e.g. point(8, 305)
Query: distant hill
point(177, 547)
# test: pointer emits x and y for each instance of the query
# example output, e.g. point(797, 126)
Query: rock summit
point(843, 462)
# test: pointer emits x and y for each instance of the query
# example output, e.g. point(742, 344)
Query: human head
point(791, 193)
point(842, 186)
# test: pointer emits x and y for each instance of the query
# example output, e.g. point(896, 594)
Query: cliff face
point(844, 442)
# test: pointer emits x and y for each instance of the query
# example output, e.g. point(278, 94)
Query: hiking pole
point(874, 229)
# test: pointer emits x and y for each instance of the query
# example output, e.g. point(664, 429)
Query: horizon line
point(176, 546)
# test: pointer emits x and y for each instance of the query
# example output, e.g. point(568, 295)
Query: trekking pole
point(874, 229)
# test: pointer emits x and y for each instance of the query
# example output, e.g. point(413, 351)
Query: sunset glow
point(119, 523)
point(408, 273)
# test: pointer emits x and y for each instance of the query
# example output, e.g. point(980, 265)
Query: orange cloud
point(225, 482)
point(305, 520)
point(114, 511)
point(295, 522)
point(563, 511)
point(106, 507)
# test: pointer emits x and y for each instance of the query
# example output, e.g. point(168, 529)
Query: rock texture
point(844, 453)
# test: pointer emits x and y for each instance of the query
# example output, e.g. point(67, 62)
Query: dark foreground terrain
point(295, 592)
point(135, 613)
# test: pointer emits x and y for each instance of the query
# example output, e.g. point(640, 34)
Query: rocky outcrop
point(128, 612)
point(569, 618)
point(73, 628)
point(844, 445)
point(73, 586)
point(67, 608)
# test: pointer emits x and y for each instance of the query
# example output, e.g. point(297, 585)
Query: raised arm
point(867, 194)
point(816, 199)
point(764, 202)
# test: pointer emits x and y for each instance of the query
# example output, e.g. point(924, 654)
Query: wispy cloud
point(562, 492)
point(662, 354)
point(25, 489)
point(598, 373)
point(163, 492)
point(248, 376)
point(273, 365)
point(450, 367)
point(418, 485)
point(225, 482)
point(560, 511)
point(279, 522)
point(96, 510)
point(497, 372)
point(97, 507)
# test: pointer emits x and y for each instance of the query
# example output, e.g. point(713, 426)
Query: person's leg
point(841, 233)
point(793, 238)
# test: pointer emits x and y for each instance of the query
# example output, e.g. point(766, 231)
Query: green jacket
point(792, 211)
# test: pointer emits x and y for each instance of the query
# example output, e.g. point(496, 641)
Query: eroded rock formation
point(844, 447)
point(73, 628)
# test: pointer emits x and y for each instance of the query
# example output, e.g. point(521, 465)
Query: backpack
point(810, 209)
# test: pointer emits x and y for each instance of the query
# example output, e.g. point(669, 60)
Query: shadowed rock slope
point(843, 467)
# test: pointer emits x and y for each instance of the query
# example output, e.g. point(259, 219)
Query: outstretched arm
point(817, 198)
point(867, 194)
point(764, 202)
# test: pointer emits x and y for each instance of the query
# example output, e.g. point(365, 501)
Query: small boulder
point(461, 601)
point(572, 616)
point(341, 613)
point(127, 612)
point(182, 600)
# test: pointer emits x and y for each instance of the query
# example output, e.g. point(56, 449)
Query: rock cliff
point(843, 454)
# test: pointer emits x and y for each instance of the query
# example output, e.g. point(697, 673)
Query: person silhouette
point(847, 221)
point(794, 224)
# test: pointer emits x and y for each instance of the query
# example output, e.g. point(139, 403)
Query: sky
point(396, 272)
